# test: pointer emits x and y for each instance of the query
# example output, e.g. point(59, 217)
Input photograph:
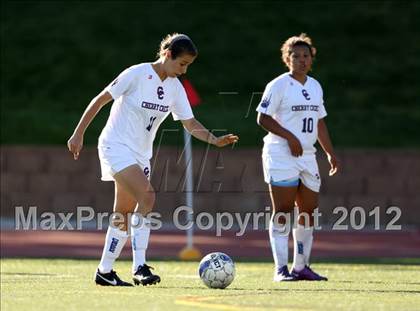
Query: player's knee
point(282, 214)
point(285, 207)
point(120, 219)
point(306, 219)
point(123, 209)
point(147, 201)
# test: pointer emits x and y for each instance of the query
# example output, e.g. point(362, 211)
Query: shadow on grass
point(27, 274)
point(262, 291)
point(334, 290)
point(375, 282)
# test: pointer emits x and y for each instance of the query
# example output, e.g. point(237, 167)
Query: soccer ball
point(217, 270)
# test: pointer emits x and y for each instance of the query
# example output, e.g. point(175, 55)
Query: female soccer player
point(292, 111)
point(143, 95)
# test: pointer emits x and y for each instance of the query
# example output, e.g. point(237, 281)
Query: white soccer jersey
point(295, 107)
point(141, 103)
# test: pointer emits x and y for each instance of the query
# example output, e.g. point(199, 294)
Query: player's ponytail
point(178, 44)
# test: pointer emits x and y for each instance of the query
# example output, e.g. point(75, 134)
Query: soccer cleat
point(307, 274)
point(144, 276)
point(109, 279)
point(283, 275)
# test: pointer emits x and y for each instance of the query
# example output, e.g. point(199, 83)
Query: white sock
point(279, 237)
point(307, 250)
point(114, 243)
point(302, 242)
point(140, 232)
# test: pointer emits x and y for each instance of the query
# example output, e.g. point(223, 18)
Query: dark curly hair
point(301, 40)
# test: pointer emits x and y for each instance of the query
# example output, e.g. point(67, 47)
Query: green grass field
point(56, 284)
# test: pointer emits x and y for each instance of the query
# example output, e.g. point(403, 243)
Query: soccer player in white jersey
point(144, 95)
point(292, 111)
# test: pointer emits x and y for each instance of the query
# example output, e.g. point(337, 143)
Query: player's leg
point(282, 195)
point(307, 201)
point(134, 182)
point(115, 239)
point(139, 228)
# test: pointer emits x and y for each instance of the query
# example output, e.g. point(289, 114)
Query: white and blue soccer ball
point(217, 270)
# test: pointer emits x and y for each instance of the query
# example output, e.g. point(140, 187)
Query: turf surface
point(47, 284)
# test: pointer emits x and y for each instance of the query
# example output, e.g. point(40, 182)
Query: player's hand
point(75, 145)
point(334, 163)
point(295, 146)
point(226, 140)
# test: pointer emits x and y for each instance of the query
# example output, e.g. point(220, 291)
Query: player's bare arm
point(271, 125)
point(325, 142)
point(196, 129)
point(75, 143)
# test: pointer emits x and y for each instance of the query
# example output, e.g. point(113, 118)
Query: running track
point(254, 244)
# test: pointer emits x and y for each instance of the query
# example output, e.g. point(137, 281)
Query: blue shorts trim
point(293, 182)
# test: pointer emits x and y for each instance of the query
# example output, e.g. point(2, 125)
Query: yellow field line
point(209, 305)
point(204, 302)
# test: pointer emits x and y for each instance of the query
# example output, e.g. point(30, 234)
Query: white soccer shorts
point(285, 169)
point(116, 157)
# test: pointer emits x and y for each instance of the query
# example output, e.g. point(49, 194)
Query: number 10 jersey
point(296, 107)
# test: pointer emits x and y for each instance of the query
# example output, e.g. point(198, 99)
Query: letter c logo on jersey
point(306, 95)
point(160, 92)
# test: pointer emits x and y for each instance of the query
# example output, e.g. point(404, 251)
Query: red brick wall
point(48, 177)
